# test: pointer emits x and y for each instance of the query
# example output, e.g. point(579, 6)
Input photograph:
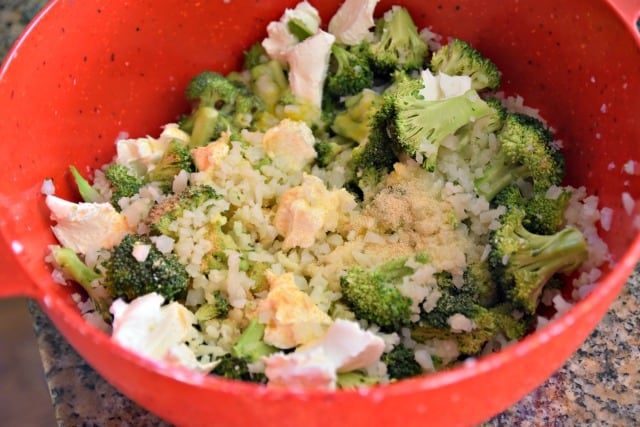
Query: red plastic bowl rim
point(611, 283)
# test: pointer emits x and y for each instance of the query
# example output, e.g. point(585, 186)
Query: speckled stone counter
point(598, 386)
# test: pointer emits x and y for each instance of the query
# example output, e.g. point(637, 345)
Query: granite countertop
point(598, 386)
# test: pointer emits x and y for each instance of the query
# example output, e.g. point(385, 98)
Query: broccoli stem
point(73, 267)
point(204, 126)
point(87, 192)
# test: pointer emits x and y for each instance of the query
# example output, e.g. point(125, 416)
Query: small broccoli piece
point(162, 214)
point(176, 158)
point(349, 72)
point(249, 348)
point(86, 190)
point(401, 363)
point(543, 215)
point(220, 104)
point(354, 379)
point(458, 58)
point(355, 121)
point(526, 152)
point(480, 285)
point(75, 269)
point(218, 309)
point(522, 262)
point(127, 277)
point(254, 56)
point(510, 322)
point(124, 182)
point(419, 126)
point(269, 82)
point(328, 150)
point(373, 295)
point(397, 44)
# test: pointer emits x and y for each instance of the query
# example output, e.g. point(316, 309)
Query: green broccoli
point(217, 309)
point(397, 44)
point(354, 379)
point(254, 56)
point(328, 149)
point(354, 122)
point(269, 82)
point(480, 285)
point(124, 182)
point(373, 295)
point(401, 363)
point(522, 262)
point(543, 215)
point(221, 104)
point(349, 73)
point(176, 158)
point(419, 126)
point(86, 190)
point(165, 212)
point(458, 58)
point(128, 277)
point(249, 348)
point(526, 153)
point(75, 269)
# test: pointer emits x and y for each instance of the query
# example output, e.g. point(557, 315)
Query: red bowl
point(85, 71)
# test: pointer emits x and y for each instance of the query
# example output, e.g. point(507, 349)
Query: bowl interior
point(86, 72)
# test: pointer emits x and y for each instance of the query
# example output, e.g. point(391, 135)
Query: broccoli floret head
point(124, 182)
point(354, 379)
point(373, 295)
point(480, 285)
point(544, 214)
point(216, 309)
point(349, 72)
point(526, 152)
point(176, 158)
point(162, 214)
point(397, 43)
point(86, 190)
point(355, 121)
point(458, 58)
point(401, 363)
point(255, 56)
point(522, 262)
point(129, 276)
point(328, 150)
point(76, 270)
point(211, 89)
point(236, 368)
point(419, 126)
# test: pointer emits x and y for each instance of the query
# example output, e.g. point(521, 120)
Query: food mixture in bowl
point(359, 204)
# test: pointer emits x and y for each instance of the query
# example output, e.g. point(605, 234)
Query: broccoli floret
point(349, 72)
point(522, 262)
point(217, 309)
point(249, 348)
point(354, 379)
point(269, 82)
point(526, 153)
point(255, 56)
point(419, 126)
point(480, 285)
point(328, 150)
point(397, 43)
point(543, 215)
point(221, 104)
point(458, 58)
point(124, 182)
point(354, 122)
point(86, 190)
point(401, 363)
point(75, 269)
point(162, 214)
point(373, 295)
point(128, 277)
point(176, 158)
point(512, 323)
